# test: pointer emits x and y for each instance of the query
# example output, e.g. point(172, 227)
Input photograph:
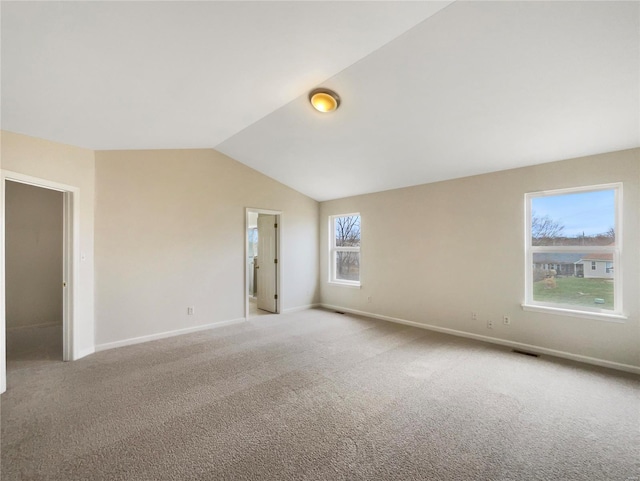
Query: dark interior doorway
point(34, 274)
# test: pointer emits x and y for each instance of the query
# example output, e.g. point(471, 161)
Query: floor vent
point(338, 312)
point(525, 353)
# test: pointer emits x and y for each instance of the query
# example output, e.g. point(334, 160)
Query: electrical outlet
point(507, 320)
point(474, 316)
point(489, 324)
point(369, 299)
point(189, 311)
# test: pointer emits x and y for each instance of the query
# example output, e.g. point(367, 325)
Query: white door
point(266, 269)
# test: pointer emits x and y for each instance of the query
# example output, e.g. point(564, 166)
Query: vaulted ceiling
point(430, 90)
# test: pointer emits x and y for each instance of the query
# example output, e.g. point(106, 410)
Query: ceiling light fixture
point(324, 100)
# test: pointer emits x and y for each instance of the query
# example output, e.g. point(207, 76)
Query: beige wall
point(33, 250)
point(170, 234)
point(170, 230)
point(435, 253)
point(75, 167)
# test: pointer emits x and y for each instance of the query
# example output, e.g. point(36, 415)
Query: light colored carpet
point(30, 346)
point(318, 395)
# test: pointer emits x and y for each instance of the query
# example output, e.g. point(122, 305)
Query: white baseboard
point(84, 353)
point(300, 308)
point(494, 340)
point(162, 335)
point(178, 332)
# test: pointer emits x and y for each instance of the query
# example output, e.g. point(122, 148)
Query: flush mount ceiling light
point(324, 100)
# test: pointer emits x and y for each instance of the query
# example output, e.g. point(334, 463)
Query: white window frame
point(333, 249)
point(617, 314)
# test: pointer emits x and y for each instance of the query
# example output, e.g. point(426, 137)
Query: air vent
point(525, 353)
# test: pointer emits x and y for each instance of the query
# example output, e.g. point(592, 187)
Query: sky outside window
point(583, 213)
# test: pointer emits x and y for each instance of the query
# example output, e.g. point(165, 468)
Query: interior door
point(266, 269)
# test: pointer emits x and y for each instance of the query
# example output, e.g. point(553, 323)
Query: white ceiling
point(141, 75)
point(428, 93)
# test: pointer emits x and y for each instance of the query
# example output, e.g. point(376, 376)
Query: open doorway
point(262, 267)
point(39, 242)
point(34, 234)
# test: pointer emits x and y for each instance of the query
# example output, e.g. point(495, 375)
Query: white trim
point(576, 249)
point(71, 264)
point(278, 214)
point(333, 250)
point(36, 181)
point(494, 340)
point(617, 314)
point(573, 190)
point(163, 335)
point(3, 327)
point(300, 308)
point(597, 315)
point(619, 252)
point(354, 285)
point(85, 352)
point(71, 274)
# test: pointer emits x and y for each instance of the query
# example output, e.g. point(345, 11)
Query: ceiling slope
point(478, 87)
point(139, 75)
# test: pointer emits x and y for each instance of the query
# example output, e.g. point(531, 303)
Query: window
point(345, 249)
point(253, 242)
point(573, 243)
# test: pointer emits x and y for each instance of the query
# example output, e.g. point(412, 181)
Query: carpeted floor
point(28, 346)
point(319, 395)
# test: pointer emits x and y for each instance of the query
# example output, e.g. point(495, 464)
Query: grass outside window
point(576, 291)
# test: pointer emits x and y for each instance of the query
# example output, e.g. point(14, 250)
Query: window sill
point(599, 316)
point(353, 285)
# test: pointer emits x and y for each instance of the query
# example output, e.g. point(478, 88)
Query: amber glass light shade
point(324, 100)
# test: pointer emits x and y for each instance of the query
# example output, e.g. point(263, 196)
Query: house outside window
point(344, 249)
point(573, 242)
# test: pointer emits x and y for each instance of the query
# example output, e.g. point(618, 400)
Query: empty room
point(351, 240)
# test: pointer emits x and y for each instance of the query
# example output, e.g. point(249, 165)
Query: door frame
point(278, 214)
point(70, 264)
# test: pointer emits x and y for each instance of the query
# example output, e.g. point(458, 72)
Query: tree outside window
point(572, 248)
point(345, 249)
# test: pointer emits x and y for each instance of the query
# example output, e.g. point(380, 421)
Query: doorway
point(262, 266)
point(39, 240)
point(33, 273)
